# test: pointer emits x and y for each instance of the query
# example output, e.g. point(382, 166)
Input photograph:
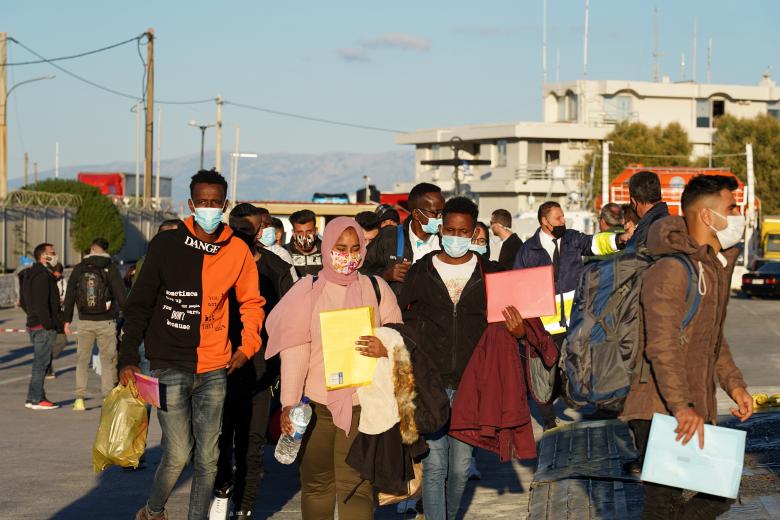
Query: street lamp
point(202, 137)
point(4, 130)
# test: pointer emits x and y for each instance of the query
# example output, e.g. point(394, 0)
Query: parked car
point(763, 282)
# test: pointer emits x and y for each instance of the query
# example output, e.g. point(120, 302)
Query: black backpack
point(93, 291)
point(600, 356)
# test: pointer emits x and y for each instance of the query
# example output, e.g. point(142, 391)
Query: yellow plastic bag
point(121, 435)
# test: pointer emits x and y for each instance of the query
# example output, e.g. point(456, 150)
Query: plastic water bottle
point(288, 445)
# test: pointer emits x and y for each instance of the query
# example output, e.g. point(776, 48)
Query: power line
point(662, 156)
point(73, 56)
point(103, 87)
point(315, 119)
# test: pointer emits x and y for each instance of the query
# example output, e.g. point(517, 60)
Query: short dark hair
point(245, 209)
point(277, 223)
point(503, 217)
point(303, 216)
point(420, 191)
point(367, 220)
point(545, 209)
point(387, 212)
point(704, 186)
point(645, 187)
point(211, 176)
point(485, 228)
point(612, 214)
point(461, 205)
point(169, 223)
point(101, 242)
point(263, 211)
point(39, 250)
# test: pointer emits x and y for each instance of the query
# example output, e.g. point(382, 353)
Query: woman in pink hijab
point(294, 333)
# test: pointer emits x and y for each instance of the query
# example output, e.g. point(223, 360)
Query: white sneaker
point(219, 508)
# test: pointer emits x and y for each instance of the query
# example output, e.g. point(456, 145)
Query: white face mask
point(732, 233)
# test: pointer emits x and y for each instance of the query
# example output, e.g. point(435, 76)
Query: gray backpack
point(599, 357)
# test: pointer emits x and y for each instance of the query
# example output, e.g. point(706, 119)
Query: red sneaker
point(44, 405)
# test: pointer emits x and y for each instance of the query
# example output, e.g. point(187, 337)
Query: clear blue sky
point(404, 64)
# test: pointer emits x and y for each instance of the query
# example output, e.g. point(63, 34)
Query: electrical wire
point(108, 89)
point(73, 56)
point(661, 156)
point(315, 119)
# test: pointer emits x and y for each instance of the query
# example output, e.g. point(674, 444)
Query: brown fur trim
point(405, 393)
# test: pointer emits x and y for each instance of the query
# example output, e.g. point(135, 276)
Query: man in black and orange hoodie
point(179, 309)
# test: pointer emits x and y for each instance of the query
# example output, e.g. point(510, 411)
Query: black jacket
point(115, 282)
point(41, 297)
point(509, 249)
point(306, 264)
point(383, 252)
point(447, 332)
point(639, 239)
point(574, 245)
point(258, 374)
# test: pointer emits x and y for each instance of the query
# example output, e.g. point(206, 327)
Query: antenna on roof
point(695, 45)
point(682, 66)
point(585, 43)
point(709, 61)
point(544, 42)
point(655, 44)
point(558, 65)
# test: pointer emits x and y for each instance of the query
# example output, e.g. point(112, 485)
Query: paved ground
point(46, 469)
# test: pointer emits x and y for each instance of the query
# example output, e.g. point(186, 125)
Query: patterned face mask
point(344, 263)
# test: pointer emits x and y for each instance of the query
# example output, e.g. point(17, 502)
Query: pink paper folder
point(531, 291)
point(148, 389)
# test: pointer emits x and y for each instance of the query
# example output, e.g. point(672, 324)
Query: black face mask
point(558, 231)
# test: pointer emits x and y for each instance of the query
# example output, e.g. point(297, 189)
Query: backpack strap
point(377, 292)
point(400, 239)
point(692, 296)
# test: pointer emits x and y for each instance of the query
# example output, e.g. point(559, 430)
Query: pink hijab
point(289, 324)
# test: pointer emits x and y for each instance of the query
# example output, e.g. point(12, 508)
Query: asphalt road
point(46, 468)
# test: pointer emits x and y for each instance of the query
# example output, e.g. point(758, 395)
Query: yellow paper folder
point(344, 366)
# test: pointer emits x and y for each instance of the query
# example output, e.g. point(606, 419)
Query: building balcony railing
point(548, 172)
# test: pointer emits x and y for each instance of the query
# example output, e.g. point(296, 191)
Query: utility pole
point(26, 167)
point(137, 153)
point(3, 118)
point(585, 41)
point(604, 173)
point(234, 177)
point(149, 142)
point(157, 175)
point(218, 158)
point(750, 199)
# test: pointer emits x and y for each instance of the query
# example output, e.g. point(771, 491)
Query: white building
point(536, 161)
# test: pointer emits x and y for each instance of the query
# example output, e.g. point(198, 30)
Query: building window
point(434, 155)
point(572, 106)
point(703, 113)
point(718, 109)
point(617, 108)
point(773, 109)
point(501, 153)
point(562, 108)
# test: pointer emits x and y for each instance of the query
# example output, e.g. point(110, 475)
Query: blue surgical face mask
point(454, 246)
point(268, 236)
point(432, 226)
point(482, 250)
point(208, 218)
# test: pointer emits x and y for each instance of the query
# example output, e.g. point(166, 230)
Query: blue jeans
point(445, 472)
point(190, 424)
point(43, 341)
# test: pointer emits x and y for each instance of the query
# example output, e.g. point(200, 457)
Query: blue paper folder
point(715, 470)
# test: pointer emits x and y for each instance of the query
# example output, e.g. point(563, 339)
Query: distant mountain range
point(276, 176)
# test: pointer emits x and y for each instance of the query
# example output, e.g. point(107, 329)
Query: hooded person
point(294, 333)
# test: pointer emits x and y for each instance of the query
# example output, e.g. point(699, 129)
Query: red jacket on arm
point(490, 410)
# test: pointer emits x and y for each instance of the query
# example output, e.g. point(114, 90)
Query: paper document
point(344, 366)
point(148, 389)
point(715, 470)
point(531, 291)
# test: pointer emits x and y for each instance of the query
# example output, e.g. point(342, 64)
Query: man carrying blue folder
point(680, 365)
